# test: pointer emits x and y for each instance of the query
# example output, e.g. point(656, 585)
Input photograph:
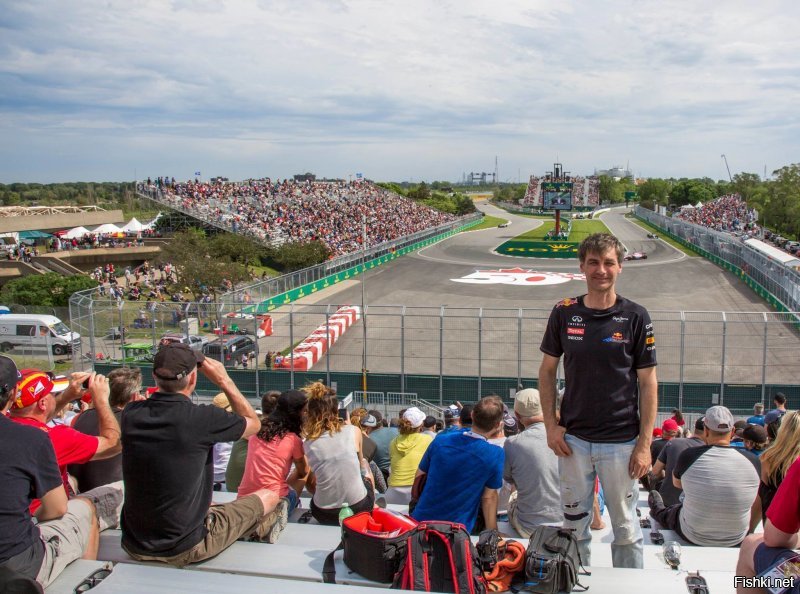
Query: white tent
point(76, 233)
point(152, 223)
point(133, 226)
point(106, 228)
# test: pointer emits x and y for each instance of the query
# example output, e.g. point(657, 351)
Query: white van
point(34, 330)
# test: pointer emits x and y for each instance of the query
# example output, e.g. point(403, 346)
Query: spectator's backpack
point(440, 557)
point(552, 561)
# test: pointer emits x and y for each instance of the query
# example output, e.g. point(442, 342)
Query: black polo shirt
point(28, 470)
point(168, 469)
point(602, 351)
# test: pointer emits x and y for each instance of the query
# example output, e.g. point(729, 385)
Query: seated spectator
point(463, 471)
point(235, 469)
point(66, 529)
point(358, 418)
point(429, 426)
point(777, 459)
point(715, 511)
point(532, 468)
point(754, 438)
point(669, 430)
point(222, 449)
point(270, 455)
point(340, 475)
point(382, 435)
point(125, 385)
point(35, 404)
point(758, 415)
point(167, 515)
point(664, 467)
point(405, 452)
point(781, 536)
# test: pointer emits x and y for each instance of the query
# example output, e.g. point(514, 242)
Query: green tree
point(610, 190)
point(236, 248)
point(655, 191)
point(783, 205)
point(297, 255)
point(50, 289)
point(189, 251)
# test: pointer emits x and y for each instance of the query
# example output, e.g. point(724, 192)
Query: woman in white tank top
point(333, 449)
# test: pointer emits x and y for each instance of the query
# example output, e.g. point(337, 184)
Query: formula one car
point(652, 236)
point(636, 256)
point(504, 225)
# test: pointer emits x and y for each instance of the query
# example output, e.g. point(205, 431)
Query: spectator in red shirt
point(35, 404)
point(759, 552)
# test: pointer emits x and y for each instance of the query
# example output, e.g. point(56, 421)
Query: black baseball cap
point(176, 361)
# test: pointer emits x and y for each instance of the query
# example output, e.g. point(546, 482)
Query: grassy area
point(672, 242)
point(580, 230)
point(488, 222)
point(258, 270)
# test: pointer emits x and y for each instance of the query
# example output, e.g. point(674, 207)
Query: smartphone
point(85, 384)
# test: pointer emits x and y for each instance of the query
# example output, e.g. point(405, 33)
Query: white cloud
point(396, 89)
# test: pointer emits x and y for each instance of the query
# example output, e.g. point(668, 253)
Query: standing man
point(168, 468)
point(604, 427)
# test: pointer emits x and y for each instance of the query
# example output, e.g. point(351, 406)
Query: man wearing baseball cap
point(716, 509)
point(35, 404)
point(168, 471)
point(67, 529)
point(532, 467)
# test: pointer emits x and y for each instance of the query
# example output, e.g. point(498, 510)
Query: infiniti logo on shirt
point(577, 319)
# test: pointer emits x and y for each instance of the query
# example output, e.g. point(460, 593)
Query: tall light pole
point(363, 305)
point(724, 158)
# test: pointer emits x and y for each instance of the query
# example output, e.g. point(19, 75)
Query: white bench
point(136, 579)
point(73, 575)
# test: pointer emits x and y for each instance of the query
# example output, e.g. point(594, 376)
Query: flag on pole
point(197, 174)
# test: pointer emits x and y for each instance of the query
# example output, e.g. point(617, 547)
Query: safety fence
point(779, 285)
point(444, 354)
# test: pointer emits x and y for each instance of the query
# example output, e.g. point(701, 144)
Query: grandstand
point(277, 212)
point(585, 190)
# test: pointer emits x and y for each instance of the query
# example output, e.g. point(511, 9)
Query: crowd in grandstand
point(727, 213)
point(585, 190)
point(290, 210)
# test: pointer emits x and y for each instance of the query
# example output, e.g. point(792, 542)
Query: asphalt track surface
point(667, 283)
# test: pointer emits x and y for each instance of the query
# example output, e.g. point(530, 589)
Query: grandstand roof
point(27, 211)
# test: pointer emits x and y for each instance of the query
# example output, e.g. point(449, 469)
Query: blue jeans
point(609, 461)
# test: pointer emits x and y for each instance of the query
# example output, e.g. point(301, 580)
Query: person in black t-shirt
point(168, 471)
point(604, 425)
point(67, 530)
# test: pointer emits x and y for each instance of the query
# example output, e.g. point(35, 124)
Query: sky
point(395, 90)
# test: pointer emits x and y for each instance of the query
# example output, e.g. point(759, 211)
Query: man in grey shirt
point(382, 436)
point(532, 467)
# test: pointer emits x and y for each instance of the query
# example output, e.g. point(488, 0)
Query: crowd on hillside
point(290, 210)
point(727, 213)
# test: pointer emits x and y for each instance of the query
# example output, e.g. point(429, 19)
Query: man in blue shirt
point(758, 415)
point(464, 471)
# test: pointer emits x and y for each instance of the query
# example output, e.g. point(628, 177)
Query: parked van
point(36, 331)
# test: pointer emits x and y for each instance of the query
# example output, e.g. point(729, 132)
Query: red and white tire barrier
point(316, 344)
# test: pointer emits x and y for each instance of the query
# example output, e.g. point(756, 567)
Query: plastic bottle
point(345, 513)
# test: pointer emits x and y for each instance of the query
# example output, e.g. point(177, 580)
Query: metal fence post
point(291, 345)
point(403, 349)
point(441, 355)
point(681, 356)
point(764, 360)
point(255, 361)
point(91, 332)
point(480, 353)
point(328, 345)
point(519, 348)
point(724, 345)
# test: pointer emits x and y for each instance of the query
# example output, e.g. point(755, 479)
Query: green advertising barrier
point(748, 280)
point(330, 280)
point(539, 249)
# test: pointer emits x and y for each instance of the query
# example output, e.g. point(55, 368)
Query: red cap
point(656, 432)
point(33, 386)
point(669, 425)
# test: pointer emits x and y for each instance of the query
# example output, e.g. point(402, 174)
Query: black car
point(652, 236)
point(229, 349)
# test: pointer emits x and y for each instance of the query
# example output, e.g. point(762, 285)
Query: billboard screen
point(557, 195)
